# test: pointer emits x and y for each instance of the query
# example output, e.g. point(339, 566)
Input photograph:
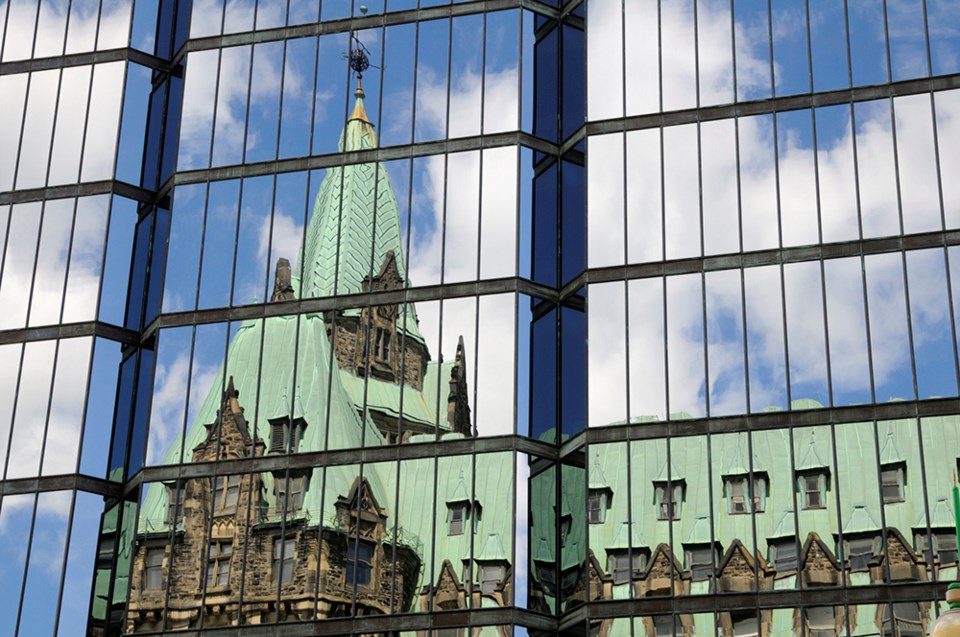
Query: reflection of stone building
point(312, 542)
point(808, 510)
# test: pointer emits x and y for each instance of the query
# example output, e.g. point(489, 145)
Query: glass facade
point(493, 317)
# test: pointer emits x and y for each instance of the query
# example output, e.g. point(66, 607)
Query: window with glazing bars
point(174, 504)
point(283, 558)
point(359, 562)
point(669, 498)
point(226, 492)
point(289, 493)
point(218, 563)
point(813, 490)
point(153, 568)
point(596, 506)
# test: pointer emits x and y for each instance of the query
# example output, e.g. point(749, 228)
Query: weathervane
point(359, 55)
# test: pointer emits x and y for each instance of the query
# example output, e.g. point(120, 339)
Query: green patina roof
point(628, 536)
point(355, 224)
point(491, 551)
point(418, 406)
point(699, 531)
point(859, 521)
point(271, 361)
point(889, 454)
point(811, 455)
point(941, 516)
point(265, 382)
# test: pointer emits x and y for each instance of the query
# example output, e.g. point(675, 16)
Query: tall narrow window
point(289, 493)
point(218, 563)
point(381, 345)
point(596, 506)
point(226, 492)
point(283, 560)
point(458, 515)
point(153, 568)
point(174, 504)
point(813, 489)
point(891, 482)
point(737, 492)
point(359, 563)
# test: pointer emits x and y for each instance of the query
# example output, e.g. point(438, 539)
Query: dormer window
point(597, 504)
point(283, 557)
point(285, 435)
point(943, 547)
point(458, 514)
point(669, 498)
point(621, 565)
point(700, 561)
point(860, 551)
point(812, 487)
point(892, 481)
point(783, 554)
point(381, 345)
point(491, 576)
point(742, 497)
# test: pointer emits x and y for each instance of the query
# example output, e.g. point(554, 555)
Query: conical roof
point(355, 224)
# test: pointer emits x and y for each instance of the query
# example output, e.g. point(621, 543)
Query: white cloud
point(47, 416)
point(169, 396)
point(449, 217)
point(716, 170)
point(67, 91)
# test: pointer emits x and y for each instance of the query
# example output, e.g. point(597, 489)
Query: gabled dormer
point(359, 511)
point(740, 570)
point(664, 573)
point(905, 564)
point(818, 564)
point(229, 435)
